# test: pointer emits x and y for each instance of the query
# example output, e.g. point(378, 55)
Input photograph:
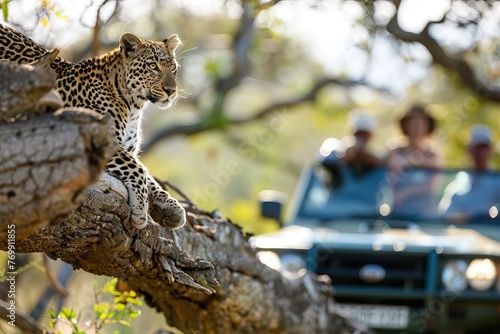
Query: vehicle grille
point(403, 270)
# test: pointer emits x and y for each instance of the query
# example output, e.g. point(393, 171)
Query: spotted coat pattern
point(120, 83)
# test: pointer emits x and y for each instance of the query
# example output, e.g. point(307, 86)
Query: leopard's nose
point(170, 91)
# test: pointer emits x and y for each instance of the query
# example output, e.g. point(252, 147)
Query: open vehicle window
point(448, 196)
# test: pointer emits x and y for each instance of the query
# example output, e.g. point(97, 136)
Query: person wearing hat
point(413, 190)
point(480, 147)
point(473, 193)
point(417, 150)
point(357, 155)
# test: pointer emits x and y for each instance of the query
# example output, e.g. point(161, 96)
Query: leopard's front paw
point(167, 212)
point(139, 206)
point(139, 217)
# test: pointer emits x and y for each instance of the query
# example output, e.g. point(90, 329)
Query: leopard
point(119, 83)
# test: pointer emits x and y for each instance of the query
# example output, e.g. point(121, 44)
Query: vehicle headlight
point(292, 263)
point(454, 275)
point(481, 274)
point(289, 262)
point(270, 259)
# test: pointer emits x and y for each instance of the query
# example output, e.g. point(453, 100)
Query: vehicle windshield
point(417, 195)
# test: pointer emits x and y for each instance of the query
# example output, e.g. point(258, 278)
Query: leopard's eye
point(153, 66)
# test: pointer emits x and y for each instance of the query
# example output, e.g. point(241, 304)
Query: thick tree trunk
point(204, 277)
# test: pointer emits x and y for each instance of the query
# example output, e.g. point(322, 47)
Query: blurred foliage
point(5, 9)
point(45, 11)
point(117, 308)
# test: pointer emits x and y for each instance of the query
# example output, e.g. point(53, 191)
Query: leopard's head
point(151, 68)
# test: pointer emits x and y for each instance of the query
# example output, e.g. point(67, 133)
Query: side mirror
point(271, 204)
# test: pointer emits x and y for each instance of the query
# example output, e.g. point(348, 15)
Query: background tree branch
point(23, 320)
point(205, 124)
point(440, 56)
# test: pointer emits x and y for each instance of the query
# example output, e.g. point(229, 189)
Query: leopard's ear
point(130, 44)
point(172, 43)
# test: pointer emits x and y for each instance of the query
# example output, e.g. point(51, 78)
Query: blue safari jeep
point(411, 252)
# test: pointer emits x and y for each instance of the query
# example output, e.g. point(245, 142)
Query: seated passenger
point(357, 155)
point(474, 193)
point(350, 157)
point(414, 190)
point(417, 150)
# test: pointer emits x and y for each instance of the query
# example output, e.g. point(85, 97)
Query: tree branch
point(99, 23)
point(204, 124)
point(22, 320)
point(453, 62)
point(167, 267)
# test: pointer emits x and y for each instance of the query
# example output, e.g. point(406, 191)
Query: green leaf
point(60, 14)
point(130, 300)
point(102, 311)
point(119, 307)
point(5, 9)
point(72, 314)
point(125, 323)
point(110, 286)
point(78, 316)
point(52, 313)
point(104, 307)
point(134, 314)
point(66, 313)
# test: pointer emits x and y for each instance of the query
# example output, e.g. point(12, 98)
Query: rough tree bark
point(204, 277)
point(46, 164)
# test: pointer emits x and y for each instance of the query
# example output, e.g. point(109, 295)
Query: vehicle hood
point(451, 240)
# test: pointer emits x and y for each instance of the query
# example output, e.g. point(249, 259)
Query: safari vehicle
point(411, 252)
